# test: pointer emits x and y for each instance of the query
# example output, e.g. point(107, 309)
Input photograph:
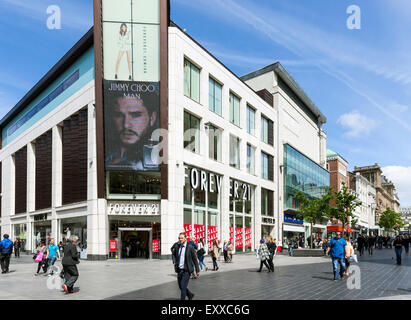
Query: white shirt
point(182, 253)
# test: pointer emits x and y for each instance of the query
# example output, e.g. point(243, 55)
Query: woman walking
point(271, 248)
point(214, 255)
point(41, 258)
point(230, 249)
point(264, 254)
point(349, 251)
point(398, 248)
point(201, 253)
point(324, 245)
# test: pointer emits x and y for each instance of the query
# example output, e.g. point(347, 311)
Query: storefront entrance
point(135, 243)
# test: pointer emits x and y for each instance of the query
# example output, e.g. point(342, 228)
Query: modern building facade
point(215, 156)
point(302, 147)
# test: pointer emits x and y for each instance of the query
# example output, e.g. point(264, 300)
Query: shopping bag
point(40, 256)
point(353, 258)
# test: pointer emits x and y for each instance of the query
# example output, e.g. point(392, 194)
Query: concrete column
point(56, 178)
point(97, 221)
point(8, 193)
point(31, 176)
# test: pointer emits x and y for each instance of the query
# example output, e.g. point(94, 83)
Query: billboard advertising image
point(131, 84)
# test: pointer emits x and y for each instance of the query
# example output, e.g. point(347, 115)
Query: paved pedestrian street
point(299, 278)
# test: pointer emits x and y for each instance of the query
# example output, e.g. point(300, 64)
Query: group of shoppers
point(266, 252)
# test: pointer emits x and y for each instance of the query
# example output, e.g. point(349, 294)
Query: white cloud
point(401, 177)
point(356, 123)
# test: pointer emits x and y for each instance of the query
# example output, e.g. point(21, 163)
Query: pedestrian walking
point(264, 255)
point(271, 248)
point(201, 254)
point(6, 248)
point(349, 251)
point(325, 246)
point(290, 247)
point(17, 246)
point(360, 244)
point(225, 250)
point(40, 258)
point(53, 253)
point(406, 243)
point(398, 243)
point(337, 253)
point(230, 249)
point(70, 261)
point(214, 254)
point(370, 245)
point(185, 261)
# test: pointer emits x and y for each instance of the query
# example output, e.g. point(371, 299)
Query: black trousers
point(5, 262)
point(225, 256)
point(265, 263)
point(70, 275)
point(270, 261)
point(17, 253)
point(44, 264)
point(183, 278)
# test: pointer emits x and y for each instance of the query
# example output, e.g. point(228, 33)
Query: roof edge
point(76, 51)
point(289, 80)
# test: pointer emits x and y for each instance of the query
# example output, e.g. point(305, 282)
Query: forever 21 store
point(85, 151)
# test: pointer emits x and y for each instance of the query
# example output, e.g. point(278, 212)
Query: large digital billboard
point(131, 83)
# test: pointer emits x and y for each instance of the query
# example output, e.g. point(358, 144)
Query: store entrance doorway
point(135, 243)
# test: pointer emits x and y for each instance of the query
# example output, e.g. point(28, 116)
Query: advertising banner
point(247, 237)
point(188, 230)
point(212, 235)
point(113, 246)
point(238, 237)
point(231, 235)
point(131, 83)
point(156, 246)
point(199, 232)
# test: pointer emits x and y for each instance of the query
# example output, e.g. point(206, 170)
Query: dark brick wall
point(75, 158)
point(20, 161)
point(43, 171)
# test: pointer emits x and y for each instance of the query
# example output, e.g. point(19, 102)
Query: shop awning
point(287, 227)
point(338, 228)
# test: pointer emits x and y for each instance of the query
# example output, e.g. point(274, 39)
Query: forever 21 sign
point(211, 182)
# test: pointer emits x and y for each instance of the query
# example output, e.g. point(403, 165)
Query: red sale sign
point(231, 234)
point(199, 232)
point(188, 229)
point(238, 237)
point(113, 246)
point(247, 237)
point(156, 246)
point(212, 235)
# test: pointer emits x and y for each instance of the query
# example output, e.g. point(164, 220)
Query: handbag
point(200, 252)
point(353, 258)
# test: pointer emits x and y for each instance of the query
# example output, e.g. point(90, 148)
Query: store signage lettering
point(40, 217)
point(292, 219)
point(202, 180)
point(241, 190)
point(134, 209)
point(268, 220)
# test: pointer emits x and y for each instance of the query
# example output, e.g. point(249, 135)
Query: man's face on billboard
point(132, 120)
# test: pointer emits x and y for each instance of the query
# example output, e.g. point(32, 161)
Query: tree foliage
point(314, 210)
point(346, 203)
point(390, 220)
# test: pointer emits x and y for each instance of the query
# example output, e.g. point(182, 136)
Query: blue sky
point(360, 79)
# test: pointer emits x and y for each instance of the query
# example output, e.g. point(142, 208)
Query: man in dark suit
point(70, 262)
point(185, 260)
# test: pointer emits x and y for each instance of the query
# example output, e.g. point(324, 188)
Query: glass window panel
point(187, 78)
point(218, 89)
point(187, 216)
point(199, 217)
point(195, 83)
point(187, 188)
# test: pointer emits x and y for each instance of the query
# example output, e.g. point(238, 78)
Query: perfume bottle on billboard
point(151, 154)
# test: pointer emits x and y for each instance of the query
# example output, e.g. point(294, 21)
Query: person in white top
point(124, 47)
